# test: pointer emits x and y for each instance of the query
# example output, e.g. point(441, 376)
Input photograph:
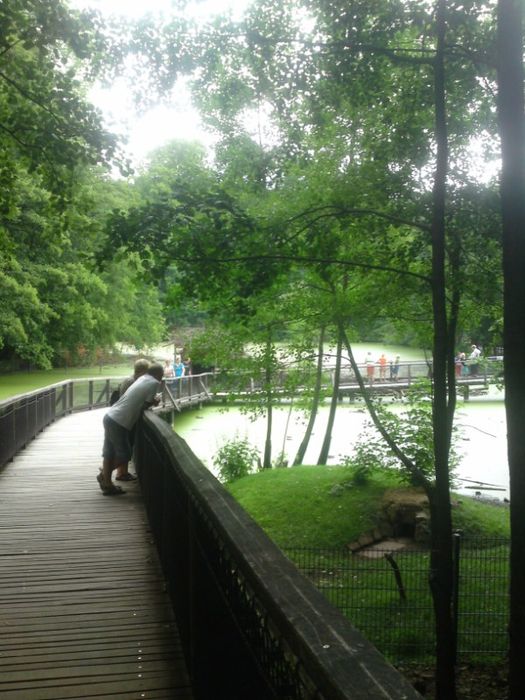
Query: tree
point(511, 109)
point(55, 193)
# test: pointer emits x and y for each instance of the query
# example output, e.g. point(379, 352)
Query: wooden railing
point(187, 391)
point(252, 626)
point(22, 417)
point(288, 382)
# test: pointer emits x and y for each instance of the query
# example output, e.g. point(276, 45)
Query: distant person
point(382, 367)
point(140, 367)
point(120, 420)
point(169, 372)
point(188, 367)
point(370, 367)
point(394, 368)
point(474, 360)
point(178, 367)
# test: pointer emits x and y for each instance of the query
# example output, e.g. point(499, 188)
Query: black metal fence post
point(456, 550)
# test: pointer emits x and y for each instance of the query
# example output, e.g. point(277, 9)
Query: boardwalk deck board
point(83, 610)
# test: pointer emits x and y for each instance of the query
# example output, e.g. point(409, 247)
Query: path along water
point(481, 437)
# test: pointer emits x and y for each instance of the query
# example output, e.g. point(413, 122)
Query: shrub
point(235, 459)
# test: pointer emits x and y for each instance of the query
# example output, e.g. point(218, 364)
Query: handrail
point(252, 626)
point(23, 416)
point(378, 378)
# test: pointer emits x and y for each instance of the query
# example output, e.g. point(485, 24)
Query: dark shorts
point(117, 444)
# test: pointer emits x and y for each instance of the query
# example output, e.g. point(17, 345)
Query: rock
point(366, 539)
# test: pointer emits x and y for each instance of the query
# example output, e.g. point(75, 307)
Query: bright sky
point(167, 121)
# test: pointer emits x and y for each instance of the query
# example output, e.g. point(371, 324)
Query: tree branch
point(294, 258)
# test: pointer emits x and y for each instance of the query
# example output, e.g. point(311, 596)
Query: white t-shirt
point(476, 352)
point(127, 409)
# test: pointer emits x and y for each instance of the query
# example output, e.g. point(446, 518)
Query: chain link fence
point(384, 592)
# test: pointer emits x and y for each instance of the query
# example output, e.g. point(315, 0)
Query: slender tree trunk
point(417, 476)
point(267, 460)
point(512, 132)
point(441, 564)
point(315, 401)
point(285, 436)
point(325, 449)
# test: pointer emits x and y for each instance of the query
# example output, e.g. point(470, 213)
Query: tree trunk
point(325, 449)
point(315, 401)
point(441, 562)
point(267, 460)
point(512, 132)
point(407, 463)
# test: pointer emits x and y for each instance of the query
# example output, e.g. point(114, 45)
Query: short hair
point(156, 371)
point(141, 367)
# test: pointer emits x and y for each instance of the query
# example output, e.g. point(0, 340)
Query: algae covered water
point(481, 437)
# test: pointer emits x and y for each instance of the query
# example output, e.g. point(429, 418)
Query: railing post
point(64, 400)
point(90, 399)
point(71, 396)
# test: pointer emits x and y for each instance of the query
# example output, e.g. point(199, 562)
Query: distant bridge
point(387, 382)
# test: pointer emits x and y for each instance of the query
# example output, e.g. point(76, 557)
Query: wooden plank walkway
point(83, 612)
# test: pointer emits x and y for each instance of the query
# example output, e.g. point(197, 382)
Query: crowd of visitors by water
point(382, 363)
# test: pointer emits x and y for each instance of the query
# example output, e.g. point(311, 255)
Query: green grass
point(16, 383)
point(298, 510)
point(477, 519)
point(296, 507)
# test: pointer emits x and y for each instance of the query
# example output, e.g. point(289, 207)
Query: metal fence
point(386, 595)
point(251, 625)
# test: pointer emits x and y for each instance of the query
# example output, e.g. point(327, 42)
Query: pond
point(481, 441)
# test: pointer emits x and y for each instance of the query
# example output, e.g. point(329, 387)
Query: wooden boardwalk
point(83, 613)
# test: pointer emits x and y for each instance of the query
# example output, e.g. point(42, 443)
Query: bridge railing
point(189, 389)
point(252, 626)
point(287, 380)
point(22, 417)
point(409, 371)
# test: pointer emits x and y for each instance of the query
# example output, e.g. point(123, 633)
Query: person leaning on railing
point(140, 367)
point(119, 422)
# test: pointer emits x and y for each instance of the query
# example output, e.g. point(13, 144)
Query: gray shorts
point(116, 441)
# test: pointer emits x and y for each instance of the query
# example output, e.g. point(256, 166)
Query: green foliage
point(235, 459)
point(412, 431)
point(54, 199)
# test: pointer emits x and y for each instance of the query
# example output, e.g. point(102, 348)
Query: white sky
point(175, 119)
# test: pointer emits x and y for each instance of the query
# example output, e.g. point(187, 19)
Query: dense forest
point(318, 193)
point(354, 192)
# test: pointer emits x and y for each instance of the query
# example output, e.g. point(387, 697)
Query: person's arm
point(153, 399)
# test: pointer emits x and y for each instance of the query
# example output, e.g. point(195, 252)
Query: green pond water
point(481, 423)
